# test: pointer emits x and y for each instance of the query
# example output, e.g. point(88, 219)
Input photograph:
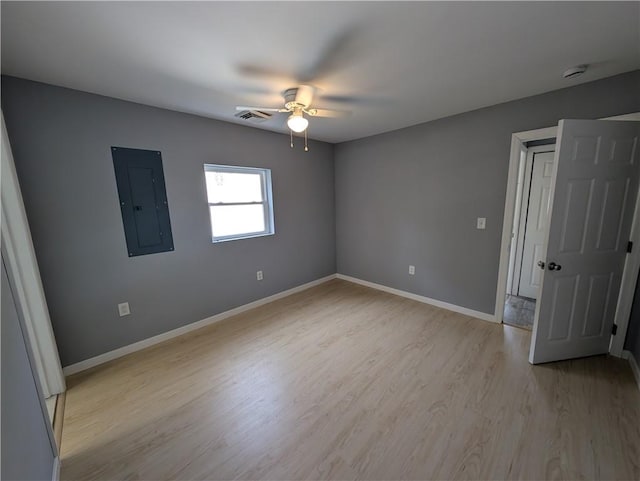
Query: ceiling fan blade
point(341, 51)
point(304, 95)
point(328, 113)
point(262, 109)
point(256, 71)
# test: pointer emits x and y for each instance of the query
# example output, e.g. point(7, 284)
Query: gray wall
point(61, 143)
point(632, 342)
point(412, 196)
point(26, 447)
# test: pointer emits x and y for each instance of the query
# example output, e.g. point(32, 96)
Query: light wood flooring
point(344, 382)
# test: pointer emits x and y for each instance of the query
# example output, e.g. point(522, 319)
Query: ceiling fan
point(297, 102)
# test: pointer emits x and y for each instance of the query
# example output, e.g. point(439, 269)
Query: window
point(240, 203)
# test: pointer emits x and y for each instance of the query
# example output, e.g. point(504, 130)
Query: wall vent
point(254, 115)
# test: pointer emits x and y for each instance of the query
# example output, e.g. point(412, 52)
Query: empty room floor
point(344, 382)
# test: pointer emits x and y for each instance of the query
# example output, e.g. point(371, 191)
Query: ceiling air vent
point(254, 115)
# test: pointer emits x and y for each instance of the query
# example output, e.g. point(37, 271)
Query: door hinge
point(614, 329)
point(629, 246)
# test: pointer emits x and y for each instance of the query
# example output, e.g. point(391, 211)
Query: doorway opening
point(528, 231)
point(547, 316)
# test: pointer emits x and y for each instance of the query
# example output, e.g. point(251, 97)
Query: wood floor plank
point(344, 382)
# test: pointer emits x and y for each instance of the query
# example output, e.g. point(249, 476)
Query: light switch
point(482, 222)
point(123, 309)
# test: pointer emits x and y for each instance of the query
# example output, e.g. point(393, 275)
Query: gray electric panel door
point(143, 200)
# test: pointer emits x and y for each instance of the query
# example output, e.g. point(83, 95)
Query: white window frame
point(267, 200)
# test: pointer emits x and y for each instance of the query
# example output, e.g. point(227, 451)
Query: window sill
point(240, 237)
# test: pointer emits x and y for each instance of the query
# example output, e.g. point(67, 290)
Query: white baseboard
point(137, 346)
point(628, 355)
point(55, 475)
point(427, 300)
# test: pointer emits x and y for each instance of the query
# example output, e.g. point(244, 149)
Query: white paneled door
point(536, 224)
point(595, 186)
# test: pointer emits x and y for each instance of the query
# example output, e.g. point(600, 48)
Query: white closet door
point(536, 224)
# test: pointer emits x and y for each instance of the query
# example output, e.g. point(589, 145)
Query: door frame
point(632, 262)
point(22, 265)
point(515, 267)
point(48, 423)
point(627, 286)
point(518, 148)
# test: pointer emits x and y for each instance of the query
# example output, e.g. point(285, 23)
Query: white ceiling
point(392, 64)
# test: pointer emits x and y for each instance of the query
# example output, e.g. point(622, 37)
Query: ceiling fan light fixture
point(297, 122)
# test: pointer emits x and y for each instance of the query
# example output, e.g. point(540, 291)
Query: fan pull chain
point(291, 132)
point(306, 148)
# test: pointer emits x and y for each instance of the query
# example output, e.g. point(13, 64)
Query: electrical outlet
point(123, 309)
point(482, 222)
point(259, 275)
point(412, 270)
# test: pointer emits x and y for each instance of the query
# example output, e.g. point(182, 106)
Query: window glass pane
point(236, 219)
point(233, 187)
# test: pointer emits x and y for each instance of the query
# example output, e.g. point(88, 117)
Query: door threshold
point(517, 326)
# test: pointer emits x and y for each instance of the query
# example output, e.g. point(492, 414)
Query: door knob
point(554, 267)
point(541, 264)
